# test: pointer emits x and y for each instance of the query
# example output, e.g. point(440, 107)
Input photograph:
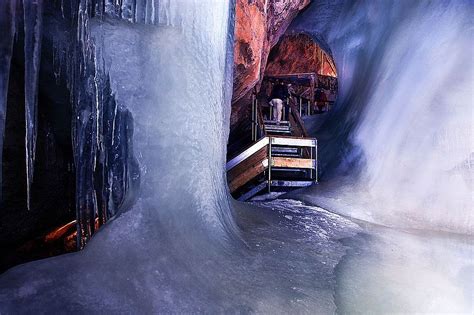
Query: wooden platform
point(281, 157)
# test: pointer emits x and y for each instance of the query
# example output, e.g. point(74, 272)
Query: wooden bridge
point(281, 157)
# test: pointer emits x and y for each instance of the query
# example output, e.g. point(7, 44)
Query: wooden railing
point(308, 83)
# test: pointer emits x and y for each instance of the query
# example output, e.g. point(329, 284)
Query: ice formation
point(150, 84)
point(400, 141)
point(8, 26)
point(32, 21)
point(32, 33)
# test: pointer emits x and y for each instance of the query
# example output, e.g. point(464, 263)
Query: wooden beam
point(292, 162)
point(252, 192)
point(247, 153)
point(243, 178)
point(247, 170)
point(296, 142)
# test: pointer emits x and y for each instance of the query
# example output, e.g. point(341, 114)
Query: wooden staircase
point(283, 158)
point(272, 128)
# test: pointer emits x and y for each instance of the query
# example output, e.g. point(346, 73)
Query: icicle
point(33, 14)
point(153, 12)
point(7, 25)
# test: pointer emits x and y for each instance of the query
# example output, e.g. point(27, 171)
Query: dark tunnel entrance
point(272, 145)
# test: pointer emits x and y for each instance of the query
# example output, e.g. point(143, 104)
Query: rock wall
point(299, 54)
point(259, 24)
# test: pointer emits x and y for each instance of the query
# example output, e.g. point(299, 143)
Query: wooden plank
point(316, 167)
point(273, 122)
point(292, 162)
point(276, 127)
point(291, 151)
point(256, 158)
point(278, 132)
point(248, 169)
point(297, 122)
point(244, 177)
point(247, 153)
point(297, 142)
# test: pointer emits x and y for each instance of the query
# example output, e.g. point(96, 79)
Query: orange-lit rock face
point(250, 34)
point(258, 26)
point(299, 54)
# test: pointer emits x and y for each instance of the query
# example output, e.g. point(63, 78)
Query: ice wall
point(401, 134)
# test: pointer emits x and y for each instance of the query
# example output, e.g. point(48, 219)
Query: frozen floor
point(296, 258)
point(388, 270)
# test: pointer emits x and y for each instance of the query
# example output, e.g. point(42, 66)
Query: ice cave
point(236, 156)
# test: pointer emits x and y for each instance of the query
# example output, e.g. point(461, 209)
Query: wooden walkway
point(281, 158)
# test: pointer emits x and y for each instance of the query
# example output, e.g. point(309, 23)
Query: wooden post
point(253, 117)
point(269, 164)
point(316, 161)
point(256, 119)
point(289, 106)
point(301, 101)
point(311, 95)
point(322, 59)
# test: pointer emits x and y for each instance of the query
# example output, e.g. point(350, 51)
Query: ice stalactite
point(8, 26)
point(33, 16)
point(101, 132)
point(102, 129)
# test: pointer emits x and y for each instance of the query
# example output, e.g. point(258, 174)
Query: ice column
point(33, 11)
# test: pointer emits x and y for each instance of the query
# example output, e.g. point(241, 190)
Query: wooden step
point(276, 127)
point(286, 151)
point(290, 170)
point(288, 162)
point(278, 132)
point(274, 122)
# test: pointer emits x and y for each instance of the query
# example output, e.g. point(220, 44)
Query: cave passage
point(272, 146)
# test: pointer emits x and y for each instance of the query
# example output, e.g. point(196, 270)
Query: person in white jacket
point(277, 105)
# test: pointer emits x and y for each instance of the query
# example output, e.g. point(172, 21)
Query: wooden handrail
point(249, 151)
point(298, 120)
